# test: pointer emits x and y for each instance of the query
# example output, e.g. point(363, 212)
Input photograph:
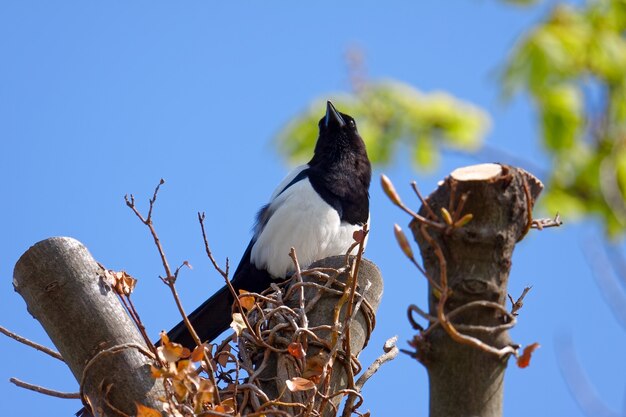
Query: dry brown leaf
point(299, 384)
point(121, 282)
point(170, 351)
point(171, 411)
point(156, 372)
point(296, 350)
point(198, 353)
point(180, 390)
point(246, 301)
point(238, 325)
point(314, 368)
point(184, 367)
point(524, 360)
point(143, 411)
point(205, 394)
point(222, 358)
point(358, 236)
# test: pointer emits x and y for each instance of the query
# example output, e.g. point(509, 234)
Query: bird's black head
point(340, 170)
point(338, 137)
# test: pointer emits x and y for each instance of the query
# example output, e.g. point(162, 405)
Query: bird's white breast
point(300, 218)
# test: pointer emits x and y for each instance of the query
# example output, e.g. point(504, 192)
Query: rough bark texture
point(63, 289)
point(465, 381)
point(281, 366)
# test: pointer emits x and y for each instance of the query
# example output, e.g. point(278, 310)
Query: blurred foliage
point(389, 115)
point(573, 65)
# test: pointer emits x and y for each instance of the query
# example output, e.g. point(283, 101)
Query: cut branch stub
point(476, 263)
point(63, 289)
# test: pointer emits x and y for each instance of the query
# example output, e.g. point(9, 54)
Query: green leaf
point(561, 116)
point(425, 153)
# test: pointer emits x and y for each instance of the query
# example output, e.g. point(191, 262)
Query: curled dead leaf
point(246, 301)
point(524, 360)
point(314, 367)
point(238, 325)
point(296, 350)
point(227, 406)
point(358, 236)
point(170, 351)
point(222, 356)
point(299, 384)
point(156, 372)
point(205, 394)
point(198, 353)
point(121, 282)
point(143, 411)
point(171, 410)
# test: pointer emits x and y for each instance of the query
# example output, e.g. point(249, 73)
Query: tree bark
point(464, 380)
point(63, 288)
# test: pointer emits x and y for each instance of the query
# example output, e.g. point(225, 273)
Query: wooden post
point(63, 288)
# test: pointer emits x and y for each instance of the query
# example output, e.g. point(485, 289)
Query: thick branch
point(63, 288)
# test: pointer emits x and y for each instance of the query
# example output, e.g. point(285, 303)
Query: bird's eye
point(352, 123)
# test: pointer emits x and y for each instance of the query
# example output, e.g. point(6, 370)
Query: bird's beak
point(333, 116)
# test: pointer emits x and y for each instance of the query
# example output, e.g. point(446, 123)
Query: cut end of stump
point(480, 172)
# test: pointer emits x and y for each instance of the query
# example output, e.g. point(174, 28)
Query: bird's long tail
point(214, 316)
point(209, 320)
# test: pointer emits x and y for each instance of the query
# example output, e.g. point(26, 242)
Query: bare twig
point(390, 352)
point(529, 208)
point(113, 408)
point(517, 305)
point(130, 307)
point(223, 273)
point(395, 199)
point(113, 350)
point(45, 391)
point(41, 348)
point(459, 208)
point(169, 278)
point(434, 321)
point(431, 213)
point(298, 274)
point(541, 224)
point(130, 202)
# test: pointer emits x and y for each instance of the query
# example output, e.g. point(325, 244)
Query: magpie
point(315, 209)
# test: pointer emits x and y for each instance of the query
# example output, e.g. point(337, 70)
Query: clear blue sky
point(97, 101)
